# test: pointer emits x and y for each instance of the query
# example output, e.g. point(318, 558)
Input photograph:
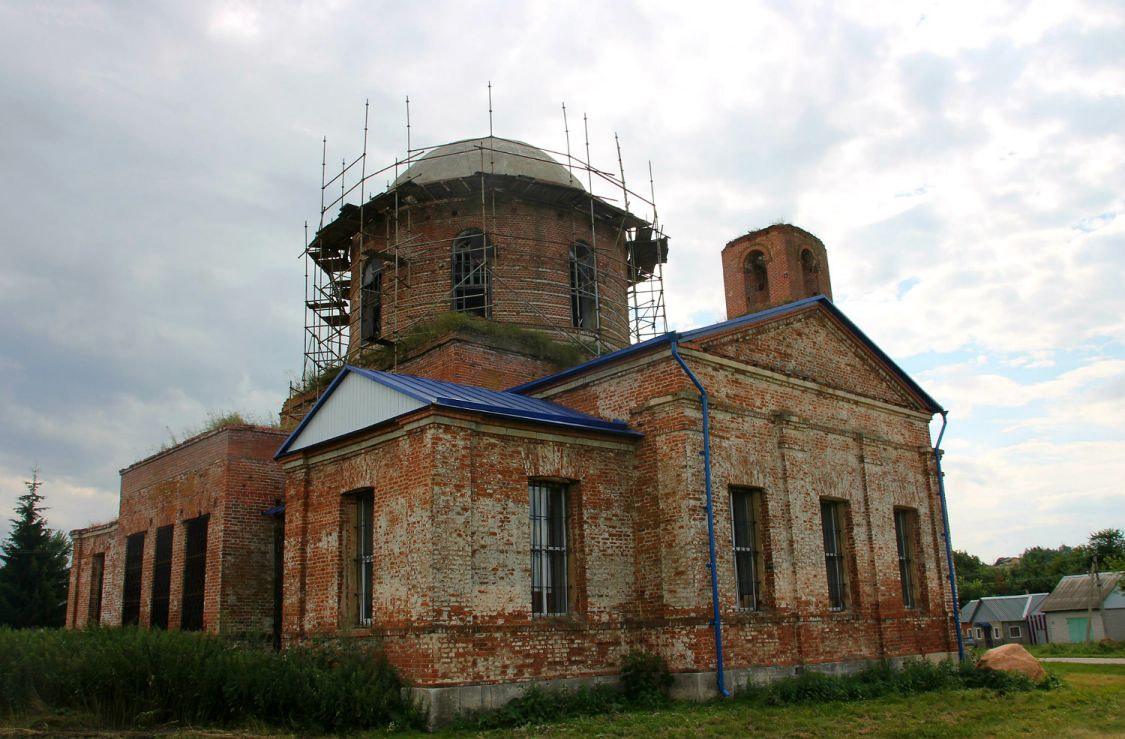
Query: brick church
point(498, 484)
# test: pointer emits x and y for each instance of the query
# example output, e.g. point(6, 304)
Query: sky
point(964, 163)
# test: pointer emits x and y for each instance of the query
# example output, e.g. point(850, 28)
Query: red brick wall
point(86, 543)
point(531, 269)
point(781, 244)
point(453, 605)
point(473, 363)
point(228, 475)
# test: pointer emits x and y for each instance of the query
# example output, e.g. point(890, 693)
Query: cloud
point(961, 163)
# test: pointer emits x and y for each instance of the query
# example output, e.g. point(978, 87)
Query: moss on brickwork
point(535, 344)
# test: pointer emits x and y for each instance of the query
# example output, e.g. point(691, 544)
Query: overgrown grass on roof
point(538, 344)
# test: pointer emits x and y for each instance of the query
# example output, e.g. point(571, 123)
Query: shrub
point(133, 678)
point(645, 679)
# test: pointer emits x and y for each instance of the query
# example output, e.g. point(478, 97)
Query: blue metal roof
point(441, 394)
point(747, 320)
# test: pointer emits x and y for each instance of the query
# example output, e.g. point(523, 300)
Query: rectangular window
point(548, 548)
point(904, 536)
point(195, 573)
point(161, 577)
point(980, 634)
point(357, 548)
point(996, 632)
point(832, 515)
point(134, 566)
point(745, 505)
point(1014, 632)
point(97, 577)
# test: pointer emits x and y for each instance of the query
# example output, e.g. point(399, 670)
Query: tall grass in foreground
point(132, 677)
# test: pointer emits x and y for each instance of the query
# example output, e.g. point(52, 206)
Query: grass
point(1090, 702)
point(138, 679)
point(1104, 648)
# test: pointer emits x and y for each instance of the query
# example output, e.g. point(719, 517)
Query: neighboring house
point(773, 469)
point(1004, 619)
point(1079, 601)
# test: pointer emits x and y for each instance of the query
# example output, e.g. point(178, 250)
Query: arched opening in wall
point(757, 281)
point(472, 273)
point(371, 300)
point(810, 273)
point(583, 286)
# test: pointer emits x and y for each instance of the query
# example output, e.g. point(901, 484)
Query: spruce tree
point(33, 566)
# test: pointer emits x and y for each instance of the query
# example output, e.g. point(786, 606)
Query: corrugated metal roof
point(968, 609)
point(1007, 607)
point(360, 398)
point(1077, 592)
point(734, 323)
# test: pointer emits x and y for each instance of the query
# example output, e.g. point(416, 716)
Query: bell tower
point(772, 266)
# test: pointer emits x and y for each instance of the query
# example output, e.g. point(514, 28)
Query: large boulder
point(1012, 658)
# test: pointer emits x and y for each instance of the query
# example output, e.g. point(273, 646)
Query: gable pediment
point(813, 345)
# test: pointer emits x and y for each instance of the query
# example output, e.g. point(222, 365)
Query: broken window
point(745, 506)
point(371, 300)
point(549, 580)
point(161, 577)
point(97, 577)
point(904, 536)
point(833, 516)
point(583, 286)
point(134, 566)
point(472, 273)
point(757, 281)
point(810, 273)
point(359, 557)
point(195, 573)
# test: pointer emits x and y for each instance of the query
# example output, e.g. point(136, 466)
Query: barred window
point(161, 577)
point(359, 557)
point(548, 548)
point(904, 536)
point(832, 519)
point(195, 573)
point(134, 565)
point(472, 273)
point(745, 510)
point(97, 578)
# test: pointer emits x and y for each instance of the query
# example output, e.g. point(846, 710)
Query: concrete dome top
point(491, 155)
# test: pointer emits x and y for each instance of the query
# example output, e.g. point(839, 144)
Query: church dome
point(489, 154)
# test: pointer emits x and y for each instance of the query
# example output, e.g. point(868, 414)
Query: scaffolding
point(329, 320)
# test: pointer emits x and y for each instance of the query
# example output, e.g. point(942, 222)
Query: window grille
point(904, 535)
point(97, 578)
point(195, 573)
point(161, 577)
point(747, 552)
point(134, 564)
point(832, 519)
point(365, 557)
point(583, 287)
point(472, 274)
point(548, 548)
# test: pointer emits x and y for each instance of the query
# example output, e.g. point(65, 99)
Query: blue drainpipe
point(716, 623)
point(948, 539)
